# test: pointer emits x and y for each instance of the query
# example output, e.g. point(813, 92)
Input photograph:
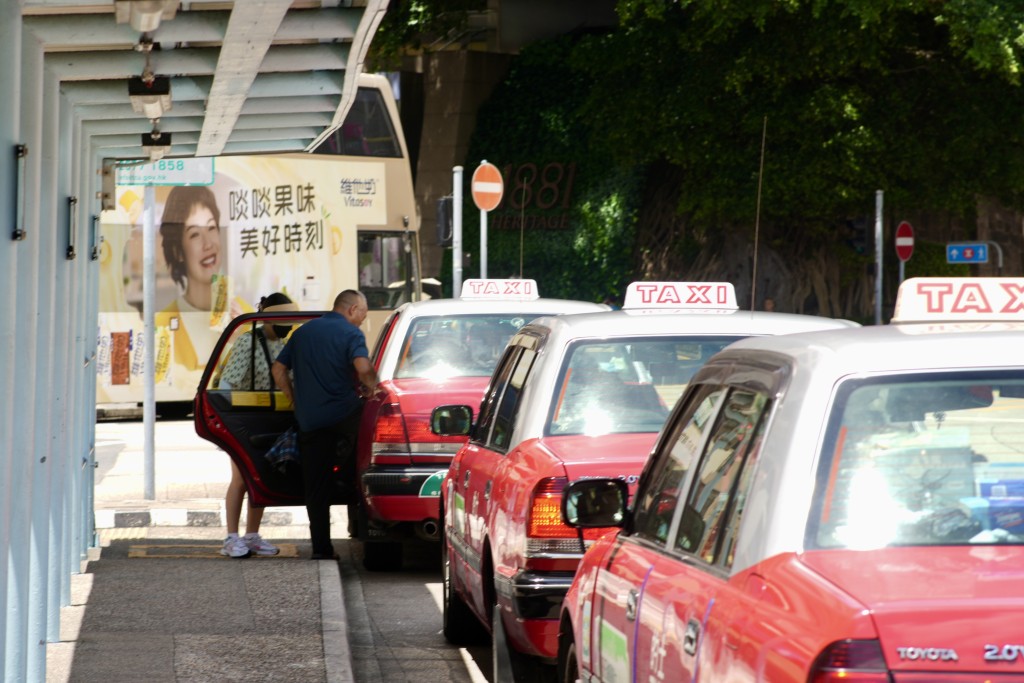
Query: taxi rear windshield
point(439, 347)
point(934, 460)
point(626, 385)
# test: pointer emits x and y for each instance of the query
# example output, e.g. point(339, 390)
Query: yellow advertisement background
point(310, 277)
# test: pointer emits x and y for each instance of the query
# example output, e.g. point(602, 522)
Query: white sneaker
point(235, 547)
point(256, 544)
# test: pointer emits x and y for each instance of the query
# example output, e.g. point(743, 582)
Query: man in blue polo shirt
point(328, 360)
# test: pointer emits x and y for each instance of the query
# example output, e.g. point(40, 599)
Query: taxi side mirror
point(593, 503)
point(451, 420)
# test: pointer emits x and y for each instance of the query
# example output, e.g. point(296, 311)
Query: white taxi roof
point(629, 323)
point(527, 308)
point(939, 323)
point(818, 362)
point(557, 333)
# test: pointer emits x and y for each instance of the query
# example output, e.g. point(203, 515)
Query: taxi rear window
point(625, 385)
point(932, 459)
point(457, 346)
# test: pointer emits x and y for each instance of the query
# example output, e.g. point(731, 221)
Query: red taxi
point(573, 397)
point(829, 506)
point(428, 352)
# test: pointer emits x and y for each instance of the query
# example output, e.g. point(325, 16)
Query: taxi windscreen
point(439, 347)
point(937, 460)
point(626, 385)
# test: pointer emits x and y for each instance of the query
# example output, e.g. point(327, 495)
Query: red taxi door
point(692, 616)
point(473, 471)
point(622, 584)
point(246, 417)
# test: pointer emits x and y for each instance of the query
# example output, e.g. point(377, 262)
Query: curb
point(128, 518)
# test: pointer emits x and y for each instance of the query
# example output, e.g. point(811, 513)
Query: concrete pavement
point(157, 602)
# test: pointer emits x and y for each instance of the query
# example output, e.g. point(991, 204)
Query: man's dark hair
point(349, 297)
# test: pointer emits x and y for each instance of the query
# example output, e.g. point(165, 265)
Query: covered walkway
point(216, 78)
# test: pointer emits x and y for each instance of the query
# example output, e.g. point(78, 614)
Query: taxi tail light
point(546, 513)
point(389, 433)
point(850, 661)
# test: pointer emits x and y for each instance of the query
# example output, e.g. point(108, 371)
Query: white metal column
point(10, 87)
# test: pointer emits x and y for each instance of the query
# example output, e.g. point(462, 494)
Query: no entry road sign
point(487, 186)
point(904, 241)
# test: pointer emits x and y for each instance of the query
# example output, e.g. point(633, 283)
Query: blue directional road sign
point(967, 252)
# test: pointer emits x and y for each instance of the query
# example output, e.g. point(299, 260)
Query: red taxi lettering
point(485, 287)
point(971, 298)
point(519, 287)
point(935, 294)
point(658, 294)
point(1016, 303)
point(701, 294)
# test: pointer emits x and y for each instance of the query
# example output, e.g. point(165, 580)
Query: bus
point(308, 225)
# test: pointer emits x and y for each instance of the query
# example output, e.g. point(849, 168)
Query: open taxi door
point(238, 408)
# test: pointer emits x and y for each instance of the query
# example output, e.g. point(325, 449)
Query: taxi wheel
point(382, 556)
point(568, 667)
point(511, 665)
point(460, 624)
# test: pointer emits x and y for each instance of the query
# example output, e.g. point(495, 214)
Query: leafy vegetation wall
point(637, 153)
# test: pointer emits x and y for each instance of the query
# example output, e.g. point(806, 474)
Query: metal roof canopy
point(253, 76)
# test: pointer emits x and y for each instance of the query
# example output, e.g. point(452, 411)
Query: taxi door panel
point(472, 475)
point(476, 480)
point(672, 616)
point(245, 420)
point(617, 597)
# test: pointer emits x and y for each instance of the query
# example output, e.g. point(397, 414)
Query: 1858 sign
point(537, 197)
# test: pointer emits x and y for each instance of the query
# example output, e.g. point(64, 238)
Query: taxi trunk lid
point(615, 456)
point(416, 398)
point(938, 608)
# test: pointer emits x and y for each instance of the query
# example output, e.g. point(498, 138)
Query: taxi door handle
point(690, 637)
point(631, 600)
point(487, 490)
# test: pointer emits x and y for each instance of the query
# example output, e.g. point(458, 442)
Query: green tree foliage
point(413, 25)
point(534, 118)
point(917, 98)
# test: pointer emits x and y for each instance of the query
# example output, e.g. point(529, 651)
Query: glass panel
point(930, 460)
point(656, 503)
point(367, 130)
point(456, 346)
point(489, 404)
point(382, 270)
point(712, 488)
point(628, 385)
point(504, 421)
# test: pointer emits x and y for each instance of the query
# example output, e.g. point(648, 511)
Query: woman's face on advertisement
point(201, 245)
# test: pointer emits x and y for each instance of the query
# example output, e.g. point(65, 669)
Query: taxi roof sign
point(478, 288)
point(691, 296)
point(960, 299)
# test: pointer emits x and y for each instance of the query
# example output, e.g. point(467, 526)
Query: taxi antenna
point(757, 215)
point(522, 229)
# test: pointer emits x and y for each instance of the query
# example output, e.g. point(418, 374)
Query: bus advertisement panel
point(267, 224)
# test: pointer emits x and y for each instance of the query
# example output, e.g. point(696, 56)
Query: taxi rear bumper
point(536, 595)
point(402, 494)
